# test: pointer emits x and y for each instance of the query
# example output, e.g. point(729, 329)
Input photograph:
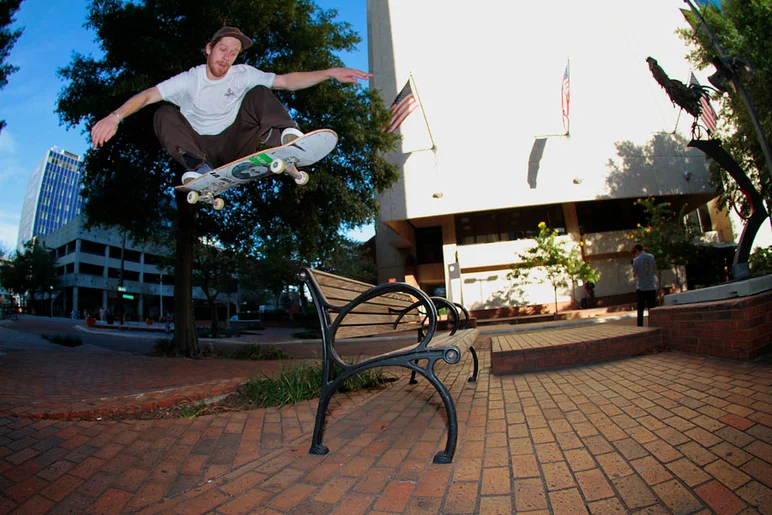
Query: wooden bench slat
point(375, 319)
point(356, 331)
point(334, 288)
point(341, 297)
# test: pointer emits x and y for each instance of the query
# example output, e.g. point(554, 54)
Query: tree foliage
point(128, 182)
point(744, 29)
point(665, 235)
point(33, 270)
point(8, 39)
point(562, 267)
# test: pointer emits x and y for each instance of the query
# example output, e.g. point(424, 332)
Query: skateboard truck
point(280, 165)
point(194, 197)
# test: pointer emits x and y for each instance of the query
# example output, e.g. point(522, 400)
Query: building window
point(132, 255)
point(507, 224)
point(90, 247)
point(87, 268)
point(428, 245)
point(609, 215)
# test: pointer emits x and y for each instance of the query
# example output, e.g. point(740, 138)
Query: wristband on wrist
point(117, 116)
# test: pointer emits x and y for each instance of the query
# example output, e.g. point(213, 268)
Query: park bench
point(353, 309)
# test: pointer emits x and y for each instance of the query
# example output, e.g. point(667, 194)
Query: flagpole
point(423, 112)
point(568, 122)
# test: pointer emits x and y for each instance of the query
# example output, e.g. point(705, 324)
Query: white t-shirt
point(211, 106)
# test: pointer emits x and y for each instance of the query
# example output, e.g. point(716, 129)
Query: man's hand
point(104, 129)
point(348, 74)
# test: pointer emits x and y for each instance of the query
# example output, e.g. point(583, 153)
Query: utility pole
point(121, 289)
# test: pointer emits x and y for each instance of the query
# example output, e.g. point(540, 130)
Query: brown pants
point(261, 119)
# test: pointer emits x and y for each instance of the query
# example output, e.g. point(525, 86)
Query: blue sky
point(53, 30)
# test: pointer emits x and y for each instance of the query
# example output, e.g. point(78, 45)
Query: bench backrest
point(372, 317)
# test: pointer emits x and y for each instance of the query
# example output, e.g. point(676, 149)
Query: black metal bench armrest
point(438, 301)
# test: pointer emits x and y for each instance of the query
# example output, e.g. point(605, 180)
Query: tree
point(561, 266)
point(213, 269)
point(145, 43)
point(8, 39)
point(665, 236)
point(31, 271)
point(743, 29)
point(351, 259)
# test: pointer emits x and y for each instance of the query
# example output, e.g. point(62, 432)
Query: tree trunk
point(185, 337)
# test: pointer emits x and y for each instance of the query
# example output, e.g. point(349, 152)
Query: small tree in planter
point(562, 266)
point(666, 237)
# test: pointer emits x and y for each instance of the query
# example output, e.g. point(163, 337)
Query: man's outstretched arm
point(301, 80)
point(106, 128)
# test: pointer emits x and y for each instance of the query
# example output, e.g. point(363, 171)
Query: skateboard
point(304, 151)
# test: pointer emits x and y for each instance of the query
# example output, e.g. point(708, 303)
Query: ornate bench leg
point(317, 447)
point(446, 456)
point(476, 366)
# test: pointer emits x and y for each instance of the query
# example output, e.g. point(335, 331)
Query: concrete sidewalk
point(663, 433)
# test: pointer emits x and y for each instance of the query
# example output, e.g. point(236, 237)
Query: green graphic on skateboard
point(304, 151)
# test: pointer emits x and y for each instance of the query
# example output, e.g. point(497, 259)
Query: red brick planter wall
point(575, 353)
point(734, 328)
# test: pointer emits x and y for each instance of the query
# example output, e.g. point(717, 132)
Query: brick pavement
point(88, 382)
point(662, 433)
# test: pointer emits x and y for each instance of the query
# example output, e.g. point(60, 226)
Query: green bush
point(259, 353)
point(760, 261)
point(164, 347)
point(276, 315)
point(66, 340)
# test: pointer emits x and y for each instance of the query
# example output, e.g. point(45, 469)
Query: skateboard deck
point(304, 151)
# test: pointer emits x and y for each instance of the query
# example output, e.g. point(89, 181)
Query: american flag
point(707, 114)
point(403, 105)
point(565, 96)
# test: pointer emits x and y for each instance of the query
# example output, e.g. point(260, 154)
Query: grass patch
point(164, 347)
point(192, 410)
point(65, 340)
point(303, 383)
point(259, 353)
point(308, 334)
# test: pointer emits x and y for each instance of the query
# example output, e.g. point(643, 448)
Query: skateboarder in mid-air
point(225, 110)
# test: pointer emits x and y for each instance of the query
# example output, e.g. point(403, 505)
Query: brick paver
point(663, 433)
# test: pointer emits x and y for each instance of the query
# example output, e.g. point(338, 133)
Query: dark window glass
point(609, 215)
point(90, 247)
point(428, 245)
point(507, 224)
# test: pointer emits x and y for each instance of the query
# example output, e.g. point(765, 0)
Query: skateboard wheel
point(278, 165)
point(301, 179)
point(218, 204)
point(192, 197)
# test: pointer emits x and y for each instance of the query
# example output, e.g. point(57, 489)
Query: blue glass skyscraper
point(53, 195)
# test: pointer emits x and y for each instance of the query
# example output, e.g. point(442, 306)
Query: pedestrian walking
point(644, 269)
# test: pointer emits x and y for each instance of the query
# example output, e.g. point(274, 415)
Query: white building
point(487, 157)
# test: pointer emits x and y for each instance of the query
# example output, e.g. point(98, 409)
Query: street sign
point(128, 296)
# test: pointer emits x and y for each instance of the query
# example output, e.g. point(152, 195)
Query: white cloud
point(9, 230)
point(7, 142)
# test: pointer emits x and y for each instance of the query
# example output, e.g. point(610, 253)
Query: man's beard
point(218, 69)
